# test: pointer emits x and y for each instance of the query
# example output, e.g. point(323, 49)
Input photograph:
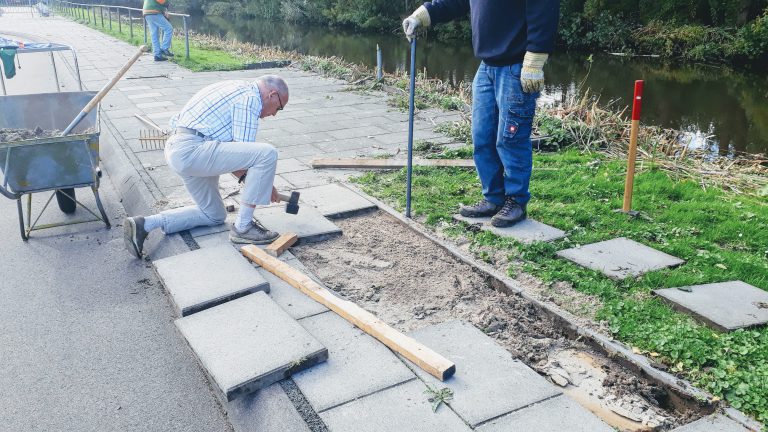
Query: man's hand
point(419, 18)
point(532, 74)
point(275, 198)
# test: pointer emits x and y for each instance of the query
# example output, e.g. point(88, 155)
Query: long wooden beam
point(389, 163)
point(418, 353)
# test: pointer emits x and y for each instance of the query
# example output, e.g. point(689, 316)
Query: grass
point(203, 55)
point(721, 236)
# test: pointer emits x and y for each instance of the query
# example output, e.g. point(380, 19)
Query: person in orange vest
point(156, 14)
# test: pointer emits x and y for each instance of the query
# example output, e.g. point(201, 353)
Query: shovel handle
point(103, 92)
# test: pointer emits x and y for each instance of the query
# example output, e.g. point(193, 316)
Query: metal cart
point(56, 164)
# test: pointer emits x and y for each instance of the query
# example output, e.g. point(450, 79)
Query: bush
point(752, 43)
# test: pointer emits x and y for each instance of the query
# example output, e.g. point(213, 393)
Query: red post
point(637, 102)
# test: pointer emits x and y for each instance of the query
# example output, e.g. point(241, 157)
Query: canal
point(725, 111)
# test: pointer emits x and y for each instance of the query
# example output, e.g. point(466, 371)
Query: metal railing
point(86, 12)
point(17, 6)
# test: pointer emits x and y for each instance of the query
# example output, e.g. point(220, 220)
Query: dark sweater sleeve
point(541, 20)
point(446, 10)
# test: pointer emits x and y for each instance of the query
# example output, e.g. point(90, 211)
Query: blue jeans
point(157, 22)
point(502, 118)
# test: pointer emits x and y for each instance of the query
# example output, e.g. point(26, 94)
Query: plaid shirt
point(225, 111)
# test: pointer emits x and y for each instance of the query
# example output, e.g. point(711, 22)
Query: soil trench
point(409, 282)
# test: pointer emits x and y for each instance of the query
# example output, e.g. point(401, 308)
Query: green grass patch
point(721, 236)
point(202, 57)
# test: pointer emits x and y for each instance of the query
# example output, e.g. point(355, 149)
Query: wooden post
point(629, 183)
point(427, 359)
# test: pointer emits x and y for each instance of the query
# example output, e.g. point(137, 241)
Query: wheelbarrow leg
point(101, 207)
point(21, 219)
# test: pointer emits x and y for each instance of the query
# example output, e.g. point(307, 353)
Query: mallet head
point(293, 203)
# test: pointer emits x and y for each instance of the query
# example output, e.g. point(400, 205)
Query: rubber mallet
point(292, 200)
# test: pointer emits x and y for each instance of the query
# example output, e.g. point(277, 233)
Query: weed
point(437, 397)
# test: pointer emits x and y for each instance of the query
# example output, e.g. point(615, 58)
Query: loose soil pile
point(11, 135)
point(410, 282)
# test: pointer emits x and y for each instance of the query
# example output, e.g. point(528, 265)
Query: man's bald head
point(274, 94)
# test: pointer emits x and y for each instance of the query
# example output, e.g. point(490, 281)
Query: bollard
point(186, 37)
point(379, 73)
point(637, 103)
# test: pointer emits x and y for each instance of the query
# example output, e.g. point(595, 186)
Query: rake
point(152, 139)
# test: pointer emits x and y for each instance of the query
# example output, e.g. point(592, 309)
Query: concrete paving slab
point(488, 382)
point(308, 224)
point(401, 408)
point(559, 414)
point(267, 410)
point(712, 423)
point(358, 364)
point(620, 257)
point(527, 231)
point(290, 165)
point(726, 306)
point(249, 343)
point(334, 200)
point(305, 179)
point(213, 229)
point(204, 278)
point(213, 240)
point(297, 304)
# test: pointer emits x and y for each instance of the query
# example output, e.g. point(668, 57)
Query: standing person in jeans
point(156, 14)
point(513, 39)
point(215, 133)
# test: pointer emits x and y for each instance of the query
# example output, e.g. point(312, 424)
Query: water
point(724, 111)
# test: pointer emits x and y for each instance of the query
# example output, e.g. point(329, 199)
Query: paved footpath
point(363, 386)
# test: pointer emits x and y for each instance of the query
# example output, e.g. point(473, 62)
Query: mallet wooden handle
point(432, 362)
point(103, 92)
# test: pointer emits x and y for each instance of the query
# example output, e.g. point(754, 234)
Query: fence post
point(109, 11)
point(130, 23)
point(101, 14)
point(119, 22)
point(186, 37)
point(143, 18)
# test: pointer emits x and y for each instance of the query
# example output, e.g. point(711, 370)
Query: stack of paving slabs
point(241, 337)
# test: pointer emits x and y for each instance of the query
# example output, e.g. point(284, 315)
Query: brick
point(248, 344)
point(559, 414)
point(488, 382)
point(726, 306)
point(401, 408)
point(334, 200)
point(267, 410)
point(203, 278)
point(527, 231)
point(358, 364)
point(620, 257)
point(712, 423)
point(308, 224)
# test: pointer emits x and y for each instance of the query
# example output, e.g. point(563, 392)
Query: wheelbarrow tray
point(40, 164)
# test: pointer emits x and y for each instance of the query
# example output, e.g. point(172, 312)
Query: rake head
point(153, 139)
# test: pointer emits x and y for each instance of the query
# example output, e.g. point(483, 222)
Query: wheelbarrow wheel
point(66, 204)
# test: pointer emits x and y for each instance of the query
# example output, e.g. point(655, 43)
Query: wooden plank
point(427, 359)
point(388, 163)
point(277, 247)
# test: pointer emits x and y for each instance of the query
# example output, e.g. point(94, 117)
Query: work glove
point(532, 75)
point(419, 18)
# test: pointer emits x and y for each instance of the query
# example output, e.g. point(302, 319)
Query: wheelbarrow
point(57, 164)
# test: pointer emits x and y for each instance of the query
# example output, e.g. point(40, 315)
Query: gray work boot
point(134, 235)
point(254, 233)
point(483, 208)
point(511, 213)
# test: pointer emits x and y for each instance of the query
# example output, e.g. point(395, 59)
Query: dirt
point(409, 282)
point(11, 135)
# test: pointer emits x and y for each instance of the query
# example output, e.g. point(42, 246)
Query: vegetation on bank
point(730, 31)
